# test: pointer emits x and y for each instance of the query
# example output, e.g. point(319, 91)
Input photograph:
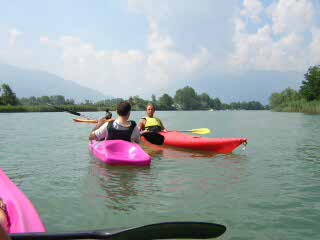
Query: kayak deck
point(119, 153)
point(217, 145)
point(22, 214)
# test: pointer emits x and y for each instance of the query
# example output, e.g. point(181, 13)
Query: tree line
point(306, 99)
point(184, 99)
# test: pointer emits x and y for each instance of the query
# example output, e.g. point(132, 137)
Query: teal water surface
point(270, 190)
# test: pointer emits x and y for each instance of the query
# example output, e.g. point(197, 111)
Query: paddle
point(197, 131)
point(151, 137)
point(72, 112)
point(166, 230)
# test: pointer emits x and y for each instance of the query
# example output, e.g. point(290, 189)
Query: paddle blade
point(175, 230)
point(166, 230)
point(172, 230)
point(200, 131)
point(153, 137)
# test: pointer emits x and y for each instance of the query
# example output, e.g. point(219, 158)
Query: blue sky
point(133, 44)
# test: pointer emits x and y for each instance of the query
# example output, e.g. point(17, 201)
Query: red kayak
point(217, 145)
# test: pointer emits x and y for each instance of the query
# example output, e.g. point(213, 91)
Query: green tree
point(217, 104)
point(310, 88)
point(33, 101)
point(287, 95)
point(290, 94)
point(153, 99)
point(186, 98)
point(235, 105)
point(70, 102)
point(166, 102)
point(205, 101)
point(44, 100)
point(8, 97)
point(57, 99)
point(130, 100)
point(253, 105)
point(275, 100)
point(139, 103)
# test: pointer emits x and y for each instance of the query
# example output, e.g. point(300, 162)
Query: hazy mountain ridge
point(27, 83)
point(246, 86)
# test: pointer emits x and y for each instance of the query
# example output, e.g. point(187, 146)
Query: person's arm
point(162, 127)
point(3, 234)
point(100, 132)
point(142, 124)
point(102, 121)
point(135, 136)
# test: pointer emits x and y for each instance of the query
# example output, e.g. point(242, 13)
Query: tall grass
point(303, 106)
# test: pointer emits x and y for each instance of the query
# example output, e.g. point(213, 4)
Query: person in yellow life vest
point(151, 123)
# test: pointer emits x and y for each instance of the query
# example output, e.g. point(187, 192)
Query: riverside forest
point(306, 100)
point(184, 99)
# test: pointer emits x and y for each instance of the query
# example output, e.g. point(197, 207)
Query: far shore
point(86, 108)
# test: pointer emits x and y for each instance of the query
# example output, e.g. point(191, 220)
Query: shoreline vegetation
point(306, 100)
point(185, 99)
point(301, 106)
point(86, 108)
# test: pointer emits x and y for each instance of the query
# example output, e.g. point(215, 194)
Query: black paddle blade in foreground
point(153, 137)
point(170, 230)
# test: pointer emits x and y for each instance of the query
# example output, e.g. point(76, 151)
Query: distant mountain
point(247, 86)
point(27, 83)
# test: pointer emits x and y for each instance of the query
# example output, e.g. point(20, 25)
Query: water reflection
point(176, 153)
point(210, 171)
point(119, 185)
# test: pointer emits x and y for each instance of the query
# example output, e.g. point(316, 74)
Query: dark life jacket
point(116, 134)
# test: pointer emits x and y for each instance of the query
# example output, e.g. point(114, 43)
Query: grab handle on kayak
point(244, 145)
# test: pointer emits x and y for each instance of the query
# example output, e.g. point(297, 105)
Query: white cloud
point(314, 47)
point(156, 40)
point(291, 16)
point(252, 9)
point(281, 45)
point(123, 73)
point(261, 51)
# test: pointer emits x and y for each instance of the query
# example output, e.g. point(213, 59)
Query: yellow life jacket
point(153, 124)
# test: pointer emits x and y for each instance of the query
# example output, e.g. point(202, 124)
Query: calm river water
point(270, 190)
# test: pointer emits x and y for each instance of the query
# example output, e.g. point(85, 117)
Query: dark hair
point(123, 108)
point(108, 114)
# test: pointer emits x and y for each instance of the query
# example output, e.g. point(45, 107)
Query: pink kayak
point(119, 153)
point(23, 216)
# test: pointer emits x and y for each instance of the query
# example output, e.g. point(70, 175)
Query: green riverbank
point(45, 108)
point(302, 106)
